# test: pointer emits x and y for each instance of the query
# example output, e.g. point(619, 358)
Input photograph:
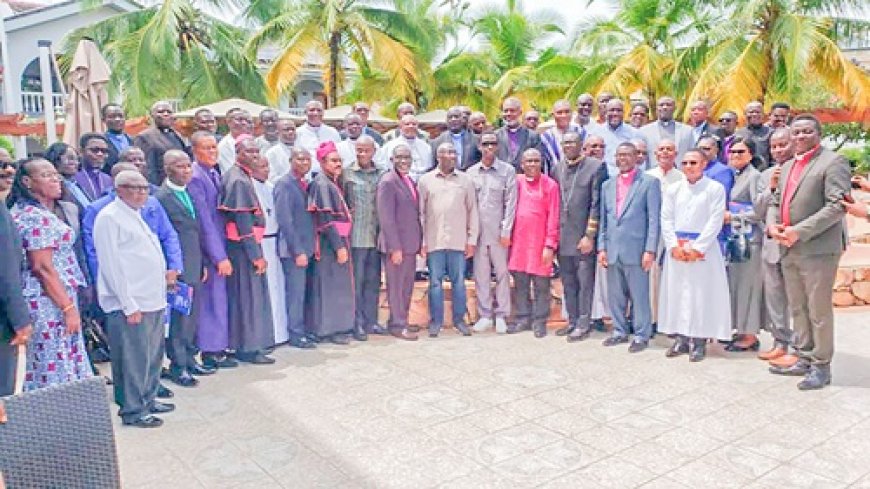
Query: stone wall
point(852, 287)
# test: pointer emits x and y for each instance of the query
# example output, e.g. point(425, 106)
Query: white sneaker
point(483, 324)
point(500, 326)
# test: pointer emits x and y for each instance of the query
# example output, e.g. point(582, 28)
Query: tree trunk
point(333, 70)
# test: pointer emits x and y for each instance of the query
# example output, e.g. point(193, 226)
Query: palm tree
point(509, 62)
point(338, 32)
point(173, 50)
point(772, 49)
point(650, 46)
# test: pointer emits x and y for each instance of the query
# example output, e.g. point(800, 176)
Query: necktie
point(184, 197)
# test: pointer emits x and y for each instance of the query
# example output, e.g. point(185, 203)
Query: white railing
point(297, 111)
point(31, 103)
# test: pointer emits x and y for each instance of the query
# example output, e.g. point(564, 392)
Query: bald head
point(119, 167)
point(247, 152)
point(666, 153)
point(405, 108)
point(593, 146)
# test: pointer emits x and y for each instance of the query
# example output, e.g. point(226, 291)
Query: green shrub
point(6, 144)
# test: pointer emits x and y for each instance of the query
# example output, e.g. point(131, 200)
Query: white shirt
point(309, 138)
point(279, 161)
point(226, 153)
point(668, 179)
point(131, 275)
point(421, 155)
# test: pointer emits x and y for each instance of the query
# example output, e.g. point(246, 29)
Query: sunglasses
point(99, 150)
point(7, 164)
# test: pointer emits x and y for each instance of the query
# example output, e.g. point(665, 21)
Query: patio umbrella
point(88, 77)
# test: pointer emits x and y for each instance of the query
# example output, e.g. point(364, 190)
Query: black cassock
point(331, 291)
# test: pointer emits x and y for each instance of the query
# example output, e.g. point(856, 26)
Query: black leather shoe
point(799, 369)
point(339, 339)
point(215, 361)
point(163, 392)
point(462, 328)
point(598, 325)
point(200, 370)
point(637, 346)
point(578, 335)
point(312, 337)
point(256, 358)
point(146, 421)
point(565, 330)
point(183, 378)
point(302, 342)
point(359, 333)
point(540, 330)
point(615, 340)
point(161, 407)
point(519, 327)
point(818, 377)
point(680, 347)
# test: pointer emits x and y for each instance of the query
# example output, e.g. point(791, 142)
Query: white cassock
point(309, 138)
point(226, 153)
point(694, 300)
point(274, 271)
point(279, 161)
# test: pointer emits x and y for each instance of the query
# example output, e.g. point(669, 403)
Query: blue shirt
point(119, 140)
point(153, 215)
point(723, 174)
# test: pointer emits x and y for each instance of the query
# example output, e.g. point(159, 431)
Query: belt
point(275, 235)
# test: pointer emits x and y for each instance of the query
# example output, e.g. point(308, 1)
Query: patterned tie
point(184, 197)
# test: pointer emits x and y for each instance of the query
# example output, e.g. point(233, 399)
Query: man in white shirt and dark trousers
point(131, 290)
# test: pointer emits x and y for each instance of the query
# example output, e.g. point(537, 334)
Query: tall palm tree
point(338, 32)
point(650, 46)
point(509, 60)
point(772, 49)
point(173, 50)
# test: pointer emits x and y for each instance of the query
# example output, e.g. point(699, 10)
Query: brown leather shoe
point(784, 361)
point(772, 354)
point(403, 334)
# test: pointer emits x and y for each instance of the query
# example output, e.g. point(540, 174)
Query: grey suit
point(579, 191)
point(180, 344)
point(654, 133)
point(745, 280)
point(775, 297)
point(400, 230)
point(810, 265)
point(625, 236)
point(526, 139)
point(470, 153)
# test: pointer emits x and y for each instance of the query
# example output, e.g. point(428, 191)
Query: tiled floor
point(511, 411)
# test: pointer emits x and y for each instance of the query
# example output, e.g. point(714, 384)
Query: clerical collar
point(445, 175)
point(809, 154)
point(666, 123)
point(410, 140)
point(177, 188)
point(165, 129)
point(513, 130)
point(114, 132)
point(533, 179)
point(628, 175)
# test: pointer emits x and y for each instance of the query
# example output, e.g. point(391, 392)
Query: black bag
point(96, 340)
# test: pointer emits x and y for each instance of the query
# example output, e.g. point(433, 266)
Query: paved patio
point(511, 411)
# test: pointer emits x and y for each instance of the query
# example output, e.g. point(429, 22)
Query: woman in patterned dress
point(50, 279)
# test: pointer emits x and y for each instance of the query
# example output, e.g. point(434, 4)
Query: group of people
point(242, 243)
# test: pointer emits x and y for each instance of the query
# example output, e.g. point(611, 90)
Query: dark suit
point(400, 230)
point(810, 265)
point(154, 143)
point(295, 237)
point(470, 153)
point(625, 236)
point(180, 345)
point(14, 313)
point(114, 153)
point(526, 139)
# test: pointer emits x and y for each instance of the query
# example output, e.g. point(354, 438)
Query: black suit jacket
point(470, 153)
point(187, 228)
point(295, 223)
point(14, 313)
point(527, 139)
point(154, 142)
point(113, 155)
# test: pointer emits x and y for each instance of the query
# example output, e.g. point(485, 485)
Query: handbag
point(96, 340)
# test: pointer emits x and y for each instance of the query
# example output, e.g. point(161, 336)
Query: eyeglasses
point(705, 148)
point(137, 188)
point(737, 151)
point(8, 164)
point(725, 119)
point(489, 144)
point(99, 150)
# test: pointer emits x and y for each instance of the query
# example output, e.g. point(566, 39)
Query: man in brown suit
point(158, 139)
point(399, 238)
point(809, 226)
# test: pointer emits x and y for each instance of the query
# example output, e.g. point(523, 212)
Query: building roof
point(17, 6)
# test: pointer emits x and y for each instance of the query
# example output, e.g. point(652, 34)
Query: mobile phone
point(848, 198)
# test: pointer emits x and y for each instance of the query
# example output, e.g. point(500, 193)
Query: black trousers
point(181, 343)
point(578, 282)
point(8, 368)
point(526, 308)
point(366, 284)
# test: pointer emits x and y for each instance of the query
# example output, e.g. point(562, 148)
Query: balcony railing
point(32, 104)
